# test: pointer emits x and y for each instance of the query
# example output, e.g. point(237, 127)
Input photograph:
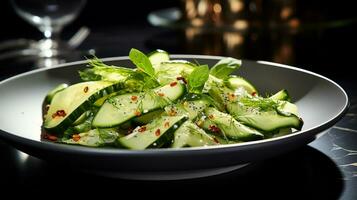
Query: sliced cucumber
point(54, 91)
point(70, 103)
point(282, 95)
point(148, 117)
point(170, 70)
point(231, 127)
point(237, 82)
point(158, 56)
point(190, 135)
point(119, 109)
point(94, 138)
point(155, 135)
point(264, 120)
point(189, 108)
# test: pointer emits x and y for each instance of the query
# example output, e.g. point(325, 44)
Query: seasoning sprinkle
point(85, 90)
point(142, 129)
point(172, 84)
point(157, 132)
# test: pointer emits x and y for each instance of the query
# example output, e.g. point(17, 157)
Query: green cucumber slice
point(119, 109)
point(155, 134)
point(69, 104)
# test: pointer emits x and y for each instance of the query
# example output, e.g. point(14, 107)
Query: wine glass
point(49, 16)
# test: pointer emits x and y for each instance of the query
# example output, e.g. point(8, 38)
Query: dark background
point(117, 25)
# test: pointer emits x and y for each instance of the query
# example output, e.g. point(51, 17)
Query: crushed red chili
point(161, 94)
point(157, 132)
point(142, 129)
point(59, 113)
point(254, 93)
point(180, 78)
point(214, 128)
point(50, 137)
point(167, 124)
point(85, 90)
point(134, 98)
point(172, 112)
point(76, 137)
point(172, 84)
point(211, 116)
point(137, 113)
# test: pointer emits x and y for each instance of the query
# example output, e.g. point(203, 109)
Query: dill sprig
point(263, 104)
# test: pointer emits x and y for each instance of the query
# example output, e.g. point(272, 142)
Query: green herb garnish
point(225, 67)
point(142, 62)
point(263, 104)
point(197, 79)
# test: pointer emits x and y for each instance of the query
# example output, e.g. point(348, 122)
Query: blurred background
point(315, 35)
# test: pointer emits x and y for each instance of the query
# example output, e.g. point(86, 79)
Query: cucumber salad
point(164, 103)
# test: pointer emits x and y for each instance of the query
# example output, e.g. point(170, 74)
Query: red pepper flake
point(161, 94)
point(172, 112)
point(137, 113)
point(157, 132)
point(172, 84)
point(211, 116)
point(59, 113)
point(85, 90)
point(50, 137)
point(130, 130)
point(142, 129)
point(231, 96)
point(215, 140)
point(134, 98)
point(254, 93)
point(76, 137)
point(167, 124)
point(180, 78)
point(214, 128)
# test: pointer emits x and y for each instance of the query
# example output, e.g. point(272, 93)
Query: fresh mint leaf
point(197, 79)
point(142, 62)
point(225, 67)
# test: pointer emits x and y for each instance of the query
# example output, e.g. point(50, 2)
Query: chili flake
point(211, 116)
point(50, 137)
point(85, 90)
point(254, 93)
point(142, 129)
point(172, 84)
point(172, 112)
point(231, 96)
point(180, 78)
point(161, 94)
point(59, 113)
point(137, 113)
point(167, 124)
point(157, 132)
point(76, 137)
point(214, 128)
point(134, 98)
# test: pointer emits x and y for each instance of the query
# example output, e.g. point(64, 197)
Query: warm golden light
point(217, 8)
point(202, 7)
point(233, 40)
point(190, 9)
point(286, 12)
point(240, 24)
point(236, 5)
point(197, 22)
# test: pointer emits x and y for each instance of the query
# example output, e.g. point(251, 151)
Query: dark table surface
point(324, 169)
